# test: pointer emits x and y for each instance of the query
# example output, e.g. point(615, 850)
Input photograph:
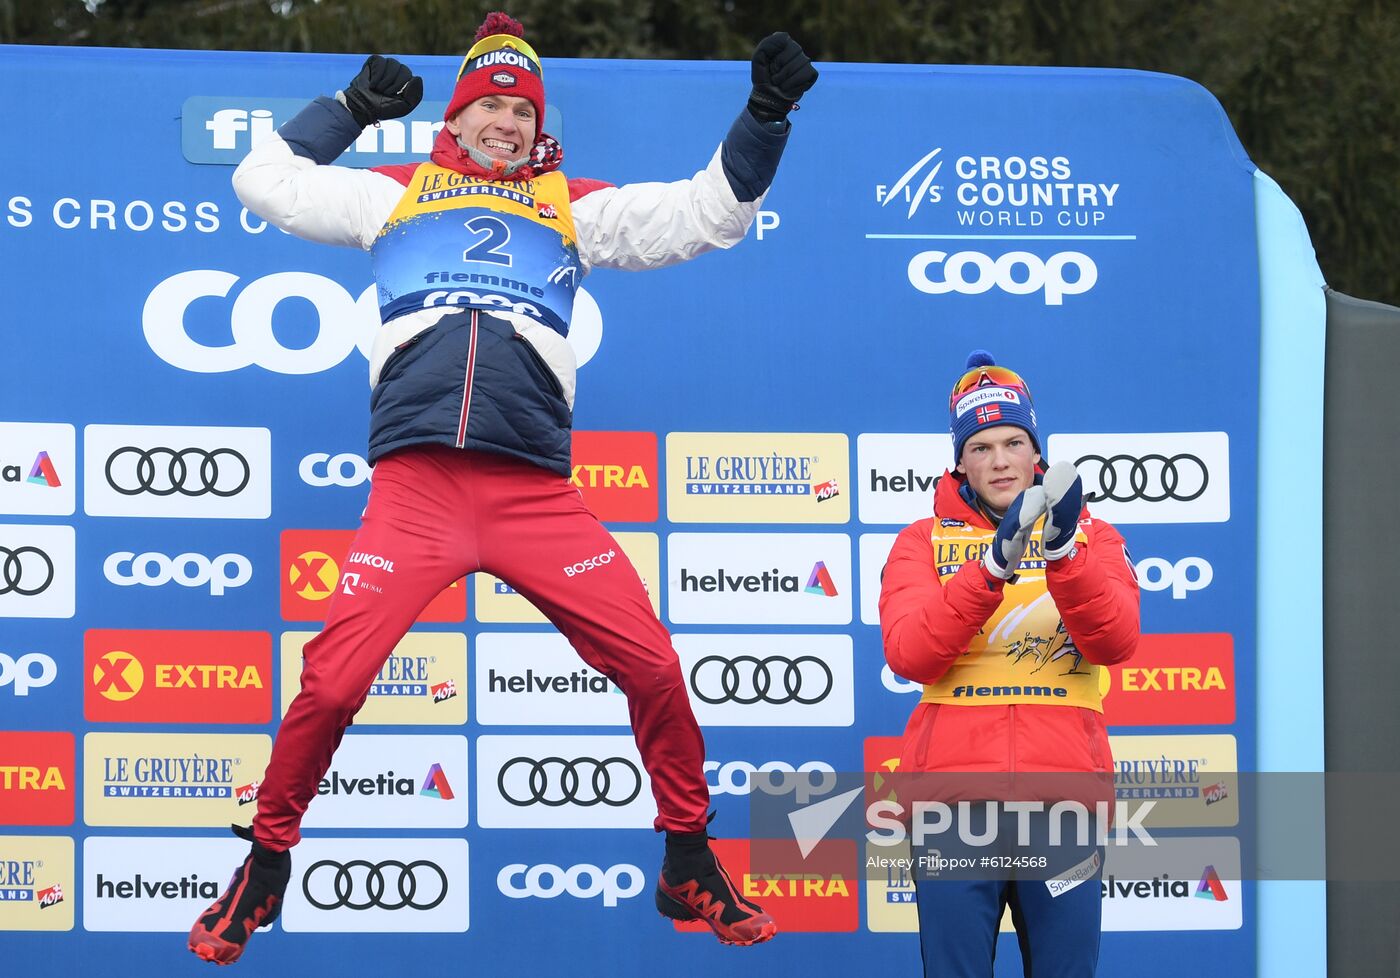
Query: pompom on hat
point(988, 395)
point(499, 63)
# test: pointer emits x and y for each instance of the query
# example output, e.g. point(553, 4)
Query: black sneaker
point(694, 886)
point(253, 899)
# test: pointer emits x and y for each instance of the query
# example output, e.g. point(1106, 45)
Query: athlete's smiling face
point(501, 126)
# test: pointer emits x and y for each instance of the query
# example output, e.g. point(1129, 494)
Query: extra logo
point(318, 564)
point(759, 578)
point(36, 571)
point(219, 574)
point(379, 886)
point(756, 478)
point(37, 469)
point(36, 778)
point(1177, 477)
point(36, 883)
point(177, 676)
point(582, 882)
point(178, 472)
point(820, 899)
point(417, 781)
point(183, 779)
point(769, 680)
point(32, 670)
point(1173, 680)
point(301, 302)
point(563, 782)
point(617, 473)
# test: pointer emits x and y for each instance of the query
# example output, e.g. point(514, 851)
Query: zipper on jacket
point(1011, 739)
point(467, 384)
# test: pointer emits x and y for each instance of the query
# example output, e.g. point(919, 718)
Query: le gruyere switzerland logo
point(741, 477)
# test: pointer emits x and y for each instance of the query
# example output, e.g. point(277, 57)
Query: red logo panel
point(823, 898)
point(36, 778)
point(177, 677)
point(617, 473)
point(318, 565)
point(1174, 679)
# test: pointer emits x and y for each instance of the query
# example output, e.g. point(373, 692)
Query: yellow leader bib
point(1023, 654)
point(496, 245)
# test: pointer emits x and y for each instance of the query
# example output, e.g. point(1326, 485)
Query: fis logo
point(903, 189)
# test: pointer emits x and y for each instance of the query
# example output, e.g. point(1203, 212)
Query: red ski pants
point(439, 514)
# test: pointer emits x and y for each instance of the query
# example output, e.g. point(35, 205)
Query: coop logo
point(343, 322)
point(1015, 273)
point(757, 478)
point(37, 468)
point(177, 472)
point(737, 777)
point(36, 778)
point(346, 470)
point(32, 670)
point(616, 471)
point(760, 578)
point(219, 574)
point(177, 676)
point(1181, 578)
point(582, 882)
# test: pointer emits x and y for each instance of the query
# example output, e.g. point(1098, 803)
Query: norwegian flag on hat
point(988, 413)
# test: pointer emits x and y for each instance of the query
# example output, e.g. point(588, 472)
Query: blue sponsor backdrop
point(1130, 302)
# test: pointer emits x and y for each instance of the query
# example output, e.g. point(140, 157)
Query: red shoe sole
point(215, 950)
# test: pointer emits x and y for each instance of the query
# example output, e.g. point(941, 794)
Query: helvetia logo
point(1210, 887)
point(44, 474)
point(820, 582)
point(435, 785)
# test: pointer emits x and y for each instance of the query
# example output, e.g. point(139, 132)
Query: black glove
point(384, 89)
point(782, 72)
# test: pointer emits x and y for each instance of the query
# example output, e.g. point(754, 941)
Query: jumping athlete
point(477, 255)
point(1009, 572)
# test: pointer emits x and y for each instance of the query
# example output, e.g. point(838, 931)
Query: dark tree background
point(1312, 86)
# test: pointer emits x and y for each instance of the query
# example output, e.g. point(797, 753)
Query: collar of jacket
point(546, 155)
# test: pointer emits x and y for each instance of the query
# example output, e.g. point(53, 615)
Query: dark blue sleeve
point(750, 155)
point(321, 131)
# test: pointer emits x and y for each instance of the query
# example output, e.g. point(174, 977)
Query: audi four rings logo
point(361, 885)
point(222, 472)
point(1151, 478)
point(747, 679)
point(25, 571)
point(583, 781)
